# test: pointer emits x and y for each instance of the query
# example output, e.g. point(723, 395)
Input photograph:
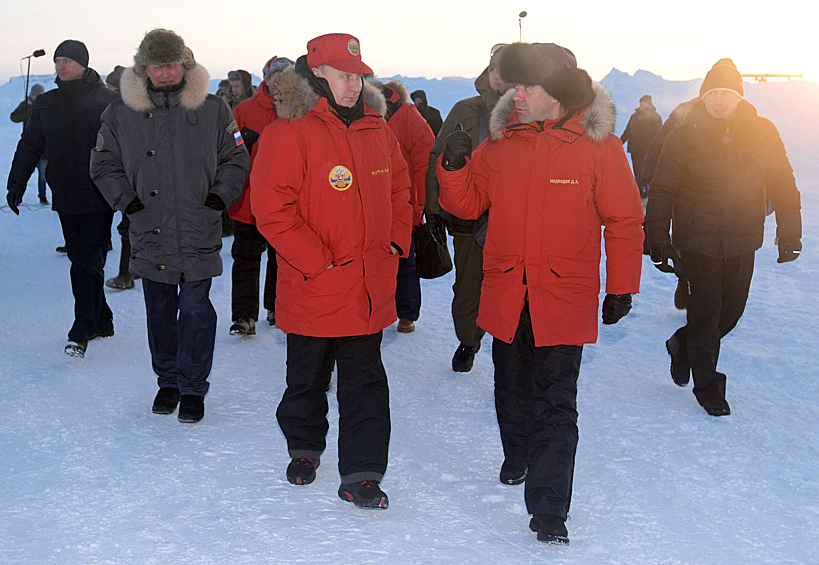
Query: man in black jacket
point(65, 122)
point(715, 175)
point(431, 115)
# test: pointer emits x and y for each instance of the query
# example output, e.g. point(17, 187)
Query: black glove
point(789, 248)
point(436, 226)
point(213, 201)
point(15, 196)
point(135, 206)
point(458, 148)
point(250, 137)
point(660, 256)
point(615, 306)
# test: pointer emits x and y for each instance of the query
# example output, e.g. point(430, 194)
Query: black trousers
point(719, 292)
point(86, 240)
point(181, 334)
point(363, 402)
point(468, 262)
point(248, 247)
point(536, 403)
point(408, 287)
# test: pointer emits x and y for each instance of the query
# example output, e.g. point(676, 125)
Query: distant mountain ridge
point(791, 105)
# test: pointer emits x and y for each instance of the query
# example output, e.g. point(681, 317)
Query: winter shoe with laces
point(271, 317)
point(165, 401)
point(191, 408)
point(302, 470)
point(364, 494)
point(243, 326)
point(76, 349)
point(550, 529)
point(464, 358)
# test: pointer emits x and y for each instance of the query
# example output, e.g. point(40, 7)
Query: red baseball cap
point(341, 51)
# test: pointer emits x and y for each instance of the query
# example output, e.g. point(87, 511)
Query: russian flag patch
point(238, 137)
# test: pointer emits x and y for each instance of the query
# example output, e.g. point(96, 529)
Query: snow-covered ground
point(89, 475)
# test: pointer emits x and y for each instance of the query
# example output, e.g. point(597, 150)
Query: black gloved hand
point(250, 137)
point(135, 206)
point(615, 306)
point(789, 249)
point(436, 226)
point(15, 196)
point(661, 254)
point(214, 202)
point(458, 148)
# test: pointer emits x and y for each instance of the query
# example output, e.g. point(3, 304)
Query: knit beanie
point(723, 76)
point(162, 47)
point(74, 50)
point(551, 66)
point(114, 76)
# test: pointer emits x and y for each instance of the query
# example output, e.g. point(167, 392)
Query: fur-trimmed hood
point(597, 119)
point(134, 89)
point(294, 97)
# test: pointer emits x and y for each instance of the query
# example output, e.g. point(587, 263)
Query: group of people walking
point(329, 171)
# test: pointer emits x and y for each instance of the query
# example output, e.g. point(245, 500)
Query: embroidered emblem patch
point(238, 137)
point(340, 178)
point(100, 142)
point(353, 48)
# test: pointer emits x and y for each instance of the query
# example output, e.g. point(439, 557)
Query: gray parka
point(170, 150)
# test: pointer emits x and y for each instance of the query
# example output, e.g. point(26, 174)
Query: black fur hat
point(161, 47)
point(551, 66)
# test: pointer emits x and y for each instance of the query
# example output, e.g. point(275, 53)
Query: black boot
point(680, 365)
point(550, 529)
point(464, 358)
point(166, 400)
point(512, 472)
point(191, 408)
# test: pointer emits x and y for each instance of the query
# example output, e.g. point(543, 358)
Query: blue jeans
point(408, 288)
point(41, 178)
point(181, 334)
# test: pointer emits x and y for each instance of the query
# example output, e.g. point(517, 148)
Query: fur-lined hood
point(597, 119)
point(294, 97)
point(134, 89)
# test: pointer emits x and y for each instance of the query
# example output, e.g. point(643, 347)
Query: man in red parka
point(331, 195)
point(551, 175)
point(416, 139)
point(252, 116)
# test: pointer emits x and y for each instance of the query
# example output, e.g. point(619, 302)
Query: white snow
point(89, 475)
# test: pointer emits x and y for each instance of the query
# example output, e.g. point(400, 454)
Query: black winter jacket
point(65, 121)
point(714, 178)
point(171, 149)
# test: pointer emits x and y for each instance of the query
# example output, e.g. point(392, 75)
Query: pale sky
point(426, 38)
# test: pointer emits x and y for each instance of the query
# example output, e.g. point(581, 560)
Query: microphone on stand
point(37, 53)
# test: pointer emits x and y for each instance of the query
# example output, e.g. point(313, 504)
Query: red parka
point(327, 194)
point(548, 192)
point(253, 114)
point(416, 139)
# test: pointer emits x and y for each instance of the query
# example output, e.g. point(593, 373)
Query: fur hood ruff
point(134, 89)
point(597, 118)
point(294, 97)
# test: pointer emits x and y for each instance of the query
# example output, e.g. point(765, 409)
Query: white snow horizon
point(88, 475)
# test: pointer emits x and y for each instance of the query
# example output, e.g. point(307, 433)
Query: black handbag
point(432, 259)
